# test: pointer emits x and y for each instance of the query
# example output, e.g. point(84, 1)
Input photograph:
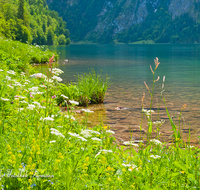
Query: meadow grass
point(89, 88)
point(45, 148)
point(15, 55)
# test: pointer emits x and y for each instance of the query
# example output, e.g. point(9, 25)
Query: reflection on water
point(128, 67)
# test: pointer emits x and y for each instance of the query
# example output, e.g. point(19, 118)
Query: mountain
point(108, 21)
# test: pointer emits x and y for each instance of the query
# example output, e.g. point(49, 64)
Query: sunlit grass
point(45, 148)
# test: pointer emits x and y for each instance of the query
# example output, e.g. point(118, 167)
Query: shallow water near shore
point(127, 66)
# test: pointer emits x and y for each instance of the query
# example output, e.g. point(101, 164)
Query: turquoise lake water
point(128, 66)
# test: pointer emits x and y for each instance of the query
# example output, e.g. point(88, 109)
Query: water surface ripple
point(128, 67)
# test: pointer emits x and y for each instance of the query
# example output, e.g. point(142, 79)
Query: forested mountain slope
point(32, 21)
point(103, 21)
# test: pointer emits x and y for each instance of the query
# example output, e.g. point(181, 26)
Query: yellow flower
point(10, 152)
point(182, 172)
point(30, 180)
point(105, 127)
point(87, 159)
point(8, 147)
point(109, 179)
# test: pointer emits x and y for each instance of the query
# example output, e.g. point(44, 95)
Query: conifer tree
point(20, 13)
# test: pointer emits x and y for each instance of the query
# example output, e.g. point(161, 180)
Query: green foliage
point(45, 148)
point(31, 21)
point(89, 88)
point(16, 56)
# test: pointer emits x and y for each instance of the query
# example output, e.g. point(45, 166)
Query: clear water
point(127, 66)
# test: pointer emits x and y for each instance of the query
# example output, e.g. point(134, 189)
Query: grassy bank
point(44, 148)
point(17, 56)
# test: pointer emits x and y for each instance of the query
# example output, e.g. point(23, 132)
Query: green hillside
point(33, 22)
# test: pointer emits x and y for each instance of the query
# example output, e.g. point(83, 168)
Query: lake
point(128, 66)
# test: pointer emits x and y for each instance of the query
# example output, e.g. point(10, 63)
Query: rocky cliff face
point(114, 16)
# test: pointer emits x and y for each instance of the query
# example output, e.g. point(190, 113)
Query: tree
point(20, 12)
point(50, 36)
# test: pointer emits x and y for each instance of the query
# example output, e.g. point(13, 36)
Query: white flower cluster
point(159, 122)
point(87, 110)
point(132, 167)
point(11, 72)
point(58, 79)
point(88, 133)
point(73, 102)
point(155, 156)
point(77, 135)
point(155, 141)
point(56, 71)
point(147, 112)
point(56, 132)
point(130, 143)
point(38, 75)
point(105, 151)
point(70, 117)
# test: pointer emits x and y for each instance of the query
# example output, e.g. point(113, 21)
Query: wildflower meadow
point(43, 147)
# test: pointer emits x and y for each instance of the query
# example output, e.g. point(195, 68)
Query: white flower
point(33, 89)
point(11, 72)
point(48, 80)
point(132, 168)
point(155, 157)
point(43, 86)
point(17, 97)
point(96, 139)
point(64, 96)
point(17, 84)
point(56, 71)
point(20, 109)
point(83, 139)
point(110, 131)
point(73, 102)
point(155, 141)
point(158, 122)
point(77, 135)
point(10, 86)
point(86, 133)
point(23, 101)
point(38, 75)
point(52, 141)
point(42, 107)
point(73, 134)
point(70, 117)
point(1, 69)
point(60, 126)
point(126, 165)
point(37, 103)
point(8, 78)
point(57, 78)
point(4, 99)
point(87, 110)
point(55, 130)
point(105, 151)
point(57, 134)
point(31, 106)
point(130, 143)
point(48, 119)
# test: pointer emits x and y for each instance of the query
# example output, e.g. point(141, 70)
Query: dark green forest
point(31, 21)
point(82, 18)
point(161, 28)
